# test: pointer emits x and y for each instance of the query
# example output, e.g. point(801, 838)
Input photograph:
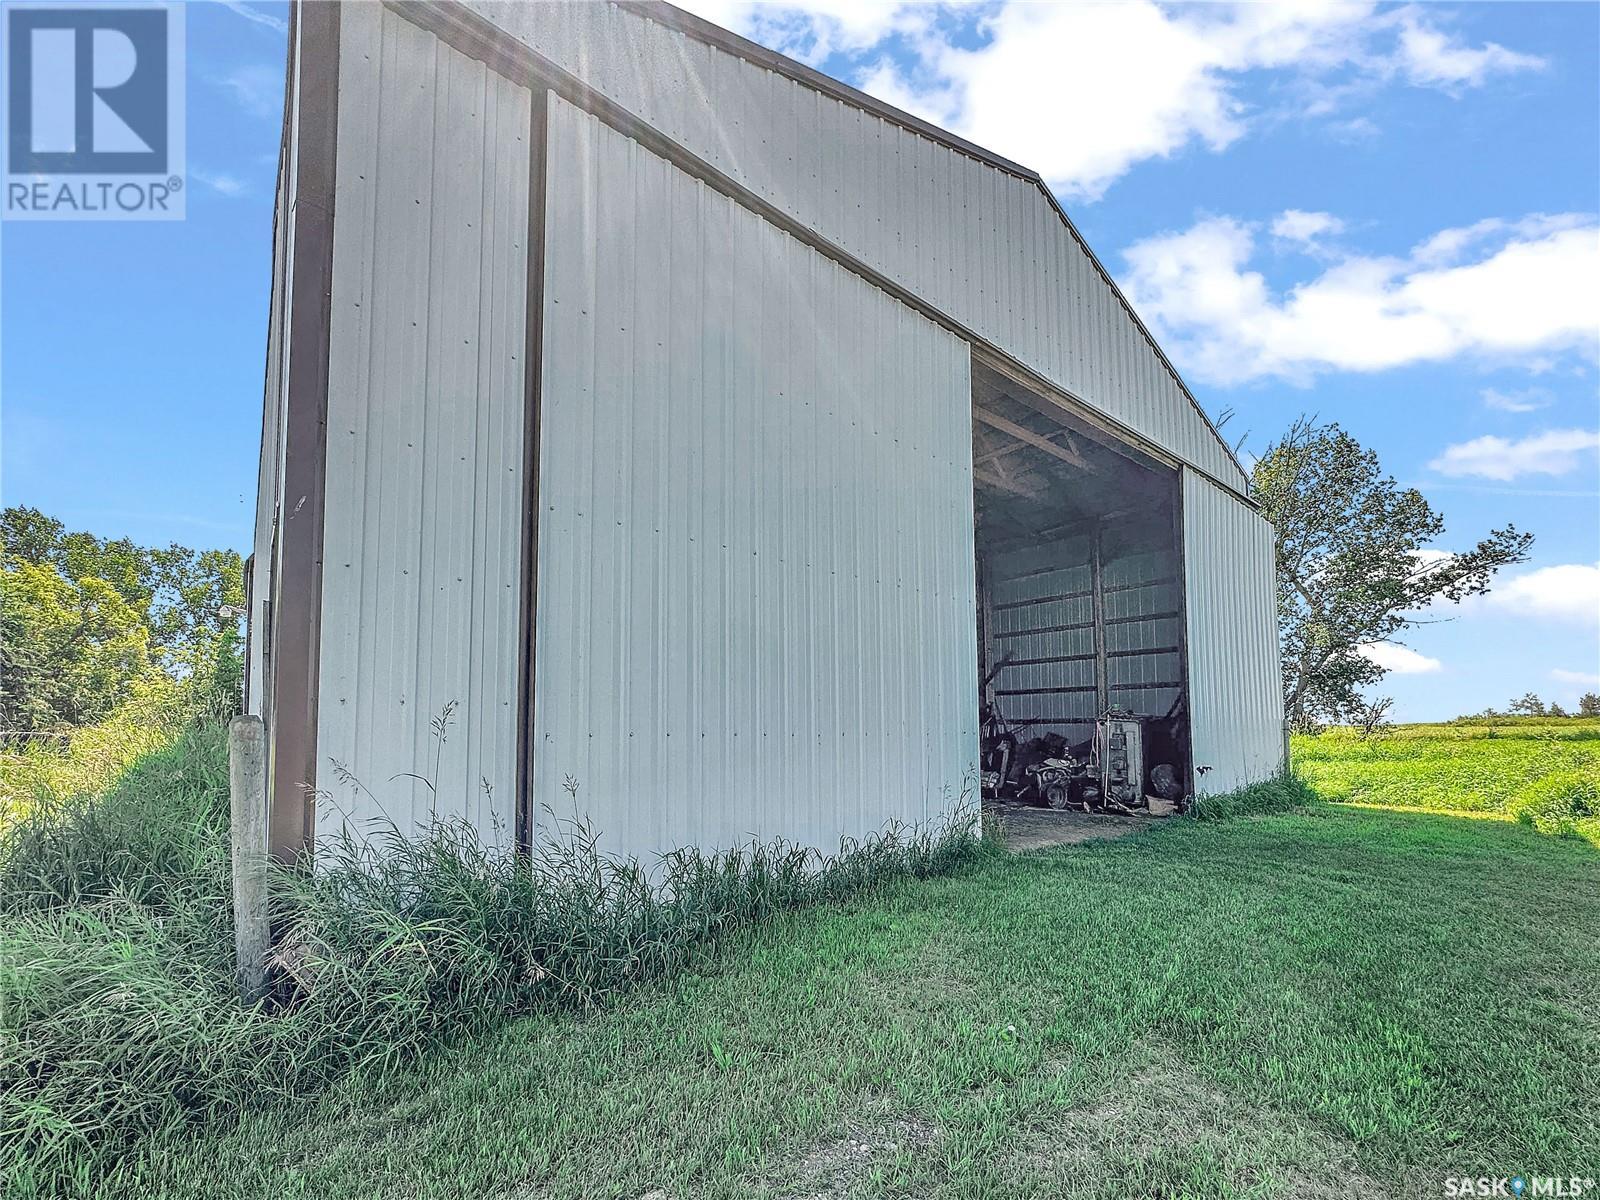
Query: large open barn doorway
point(1081, 657)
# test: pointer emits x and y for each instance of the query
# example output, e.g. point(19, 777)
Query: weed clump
point(1278, 794)
point(1564, 803)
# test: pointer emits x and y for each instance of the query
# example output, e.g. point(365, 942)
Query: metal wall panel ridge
point(999, 259)
point(269, 482)
point(1042, 606)
point(422, 561)
point(756, 603)
point(1235, 676)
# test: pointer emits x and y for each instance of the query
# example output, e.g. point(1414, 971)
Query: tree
point(1356, 565)
point(1589, 705)
point(1528, 706)
point(1373, 715)
point(180, 601)
point(69, 650)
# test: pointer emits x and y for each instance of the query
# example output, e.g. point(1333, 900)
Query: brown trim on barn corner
point(297, 607)
point(533, 372)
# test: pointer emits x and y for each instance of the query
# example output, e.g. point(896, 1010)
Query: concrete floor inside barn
point(1032, 827)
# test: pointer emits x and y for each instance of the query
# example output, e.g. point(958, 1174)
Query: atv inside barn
point(1081, 658)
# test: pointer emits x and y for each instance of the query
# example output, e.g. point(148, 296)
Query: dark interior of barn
point(1081, 657)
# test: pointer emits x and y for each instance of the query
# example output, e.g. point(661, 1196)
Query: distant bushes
point(116, 953)
point(156, 829)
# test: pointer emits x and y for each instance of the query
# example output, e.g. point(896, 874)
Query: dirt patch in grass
point(832, 1169)
point(1164, 1123)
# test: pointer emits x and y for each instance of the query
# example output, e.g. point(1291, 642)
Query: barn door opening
point(1082, 684)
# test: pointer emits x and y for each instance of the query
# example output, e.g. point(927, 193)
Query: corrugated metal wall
point(1139, 578)
point(1042, 615)
point(1235, 678)
point(422, 558)
point(756, 596)
point(982, 245)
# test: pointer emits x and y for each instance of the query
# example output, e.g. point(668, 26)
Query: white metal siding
point(756, 600)
point(1235, 677)
point(1042, 618)
point(982, 245)
point(268, 472)
point(422, 558)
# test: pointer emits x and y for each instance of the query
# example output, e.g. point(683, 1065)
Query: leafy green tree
point(183, 601)
point(1589, 705)
point(1528, 706)
point(1356, 565)
point(69, 649)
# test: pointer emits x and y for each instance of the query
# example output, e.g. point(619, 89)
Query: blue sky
point(1386, 216)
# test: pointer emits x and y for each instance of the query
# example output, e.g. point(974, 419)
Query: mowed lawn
point(1333, 1001)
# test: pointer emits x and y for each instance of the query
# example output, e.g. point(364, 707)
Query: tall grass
point(119, 1017)
point(1278, 794)
point(42, 771)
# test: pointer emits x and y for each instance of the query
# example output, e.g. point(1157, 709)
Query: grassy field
point(1545, 772)
point(1333, 1000)
point(1326, 1002)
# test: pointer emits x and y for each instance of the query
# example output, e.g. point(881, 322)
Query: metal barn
point(661, 432)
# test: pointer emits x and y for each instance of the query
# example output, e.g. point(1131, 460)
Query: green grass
point(1302, 998)
point(1331, 1001)
point(43, 771)
point(1543, 771)
point(118, 1016)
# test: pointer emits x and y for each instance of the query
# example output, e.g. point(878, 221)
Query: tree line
point(86, 622)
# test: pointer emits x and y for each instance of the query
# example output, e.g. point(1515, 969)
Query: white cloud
point(1082, 92)
point(1569, 592)
point(1554, 452)
point(257, 89)
point(1499, 290)
point(1401, 660)
point(1429, 57)
point(255, 15)
point(220, 182)
point(1306, 229)
point(1576, 678)
point(813, 30)
point(1524, 401)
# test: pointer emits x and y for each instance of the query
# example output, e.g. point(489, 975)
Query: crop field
point(1542, 771)
point(1302, 998)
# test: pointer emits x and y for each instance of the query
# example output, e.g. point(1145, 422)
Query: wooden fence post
point(247, 793)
